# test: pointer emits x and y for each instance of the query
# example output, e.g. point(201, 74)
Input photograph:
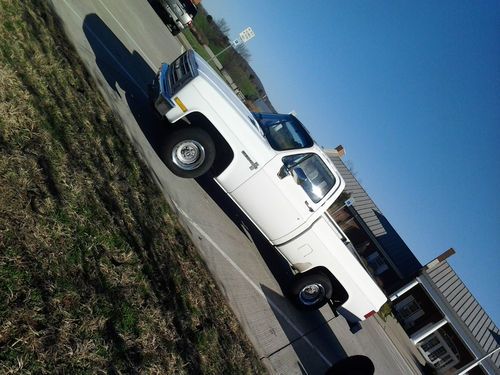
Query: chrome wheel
point(311, 294)
point(188, 155)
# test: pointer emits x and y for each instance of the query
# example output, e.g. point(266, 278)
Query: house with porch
point(435, 308)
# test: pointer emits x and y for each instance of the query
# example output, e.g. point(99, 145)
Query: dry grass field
point(96, 273)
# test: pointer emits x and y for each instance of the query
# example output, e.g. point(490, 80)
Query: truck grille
point(182, 70)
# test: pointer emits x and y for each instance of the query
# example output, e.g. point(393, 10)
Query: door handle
point(253, 164)
point(309, 206)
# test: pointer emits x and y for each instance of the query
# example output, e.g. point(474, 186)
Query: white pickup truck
point(273, 170)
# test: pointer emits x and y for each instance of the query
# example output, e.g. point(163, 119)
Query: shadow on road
point(127, 73)
point(320, 342)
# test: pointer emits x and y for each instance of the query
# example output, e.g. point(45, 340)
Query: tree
point(223, 26)
point(210, 19)
point(243, 51)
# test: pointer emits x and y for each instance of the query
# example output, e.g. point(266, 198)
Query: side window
point(311, 173)
point(285, 133)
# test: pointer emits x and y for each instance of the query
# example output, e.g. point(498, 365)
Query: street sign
point(247, 34)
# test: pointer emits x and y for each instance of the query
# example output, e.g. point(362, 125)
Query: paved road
point(122, 43)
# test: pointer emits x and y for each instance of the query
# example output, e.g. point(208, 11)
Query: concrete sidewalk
point(396, 334)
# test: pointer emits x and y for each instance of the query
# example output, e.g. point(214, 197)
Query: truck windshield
point(311, 174)
point(284, 132)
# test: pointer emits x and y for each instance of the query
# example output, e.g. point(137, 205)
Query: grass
point(237, 73)
point(96, 273)
point(196, 45)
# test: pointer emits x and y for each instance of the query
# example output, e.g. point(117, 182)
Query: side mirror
point(283, 172)
point(299, 176)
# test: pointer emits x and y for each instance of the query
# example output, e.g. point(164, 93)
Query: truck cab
point(296, 181)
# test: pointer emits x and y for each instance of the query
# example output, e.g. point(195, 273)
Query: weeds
point(96, 274)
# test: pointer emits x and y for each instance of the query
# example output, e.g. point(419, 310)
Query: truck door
point(286, 192)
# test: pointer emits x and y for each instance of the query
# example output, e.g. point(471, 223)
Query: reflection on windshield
point(317, 179)
point(284, 132)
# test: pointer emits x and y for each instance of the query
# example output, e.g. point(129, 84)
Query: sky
point(412, 91)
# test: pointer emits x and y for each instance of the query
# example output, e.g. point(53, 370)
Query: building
point(435, 308)
point(444, 320)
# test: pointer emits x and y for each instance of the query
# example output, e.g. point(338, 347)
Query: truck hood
point(211, 76)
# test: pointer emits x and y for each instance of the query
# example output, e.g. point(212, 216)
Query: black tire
point(355, 365)
point(175, 31)
point(189, 152)
point(311, 291)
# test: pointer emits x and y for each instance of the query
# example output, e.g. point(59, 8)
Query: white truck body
point(292, 217)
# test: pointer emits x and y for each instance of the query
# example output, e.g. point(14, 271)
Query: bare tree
point(223, 26)
point(243, 51)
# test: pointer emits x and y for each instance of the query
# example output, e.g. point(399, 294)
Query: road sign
point(247, 34)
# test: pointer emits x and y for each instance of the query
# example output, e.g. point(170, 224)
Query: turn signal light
point(180, 104)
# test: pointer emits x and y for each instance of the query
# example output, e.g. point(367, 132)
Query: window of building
point(408, 307)
point(409, 310)
point(377, 263)
point(429, 344)
point(437, 351)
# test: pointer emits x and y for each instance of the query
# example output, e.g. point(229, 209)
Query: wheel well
point(224, 153)
point(340, 295)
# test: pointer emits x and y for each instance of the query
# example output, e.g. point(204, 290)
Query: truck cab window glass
point(284, 132)
point(311, 173)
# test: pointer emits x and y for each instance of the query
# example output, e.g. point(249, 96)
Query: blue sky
point(412, 91)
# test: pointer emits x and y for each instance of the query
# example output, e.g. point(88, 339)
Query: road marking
point(196, 226)
point(253, 285)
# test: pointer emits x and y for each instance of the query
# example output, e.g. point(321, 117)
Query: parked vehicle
point(176, 14)
point(274, 171)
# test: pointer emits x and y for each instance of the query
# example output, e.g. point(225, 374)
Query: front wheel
point(189, 152)
point(311, 291)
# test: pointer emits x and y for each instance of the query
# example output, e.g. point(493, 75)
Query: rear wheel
point(189, 152)
point(311, 291)
point(355, 365)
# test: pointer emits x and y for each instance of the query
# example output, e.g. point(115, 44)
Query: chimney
point(433, 263)
point(340, 151)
